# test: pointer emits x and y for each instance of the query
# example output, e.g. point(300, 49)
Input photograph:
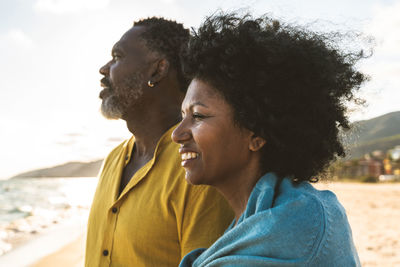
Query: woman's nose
point(181, 133)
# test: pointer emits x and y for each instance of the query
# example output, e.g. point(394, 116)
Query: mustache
point(106, 82)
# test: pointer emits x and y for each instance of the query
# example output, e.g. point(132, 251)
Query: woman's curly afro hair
point(286, 84)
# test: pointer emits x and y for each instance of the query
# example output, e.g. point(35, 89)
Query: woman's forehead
point(203, 94)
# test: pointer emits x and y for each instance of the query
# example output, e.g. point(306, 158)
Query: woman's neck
point(237, 189)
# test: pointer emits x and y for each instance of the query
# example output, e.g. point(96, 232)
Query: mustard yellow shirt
point(158, 218)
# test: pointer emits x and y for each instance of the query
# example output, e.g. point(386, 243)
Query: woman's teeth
point(189, 155)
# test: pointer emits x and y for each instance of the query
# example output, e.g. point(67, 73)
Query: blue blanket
point(283, 225)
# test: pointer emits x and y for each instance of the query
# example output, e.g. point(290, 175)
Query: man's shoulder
point(116, 151)
point(113, 156)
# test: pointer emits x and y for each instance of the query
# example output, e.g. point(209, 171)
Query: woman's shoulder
point(304, 198)
point(303, 220)
point(312, 206)
point(321, 221)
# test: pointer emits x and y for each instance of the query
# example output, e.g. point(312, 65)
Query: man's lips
point(105, 83)
point(105, 93)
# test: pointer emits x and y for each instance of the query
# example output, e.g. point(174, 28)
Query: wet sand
point(72, 255)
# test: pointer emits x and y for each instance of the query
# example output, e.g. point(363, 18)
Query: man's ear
point(160, 70)
point(256, 142)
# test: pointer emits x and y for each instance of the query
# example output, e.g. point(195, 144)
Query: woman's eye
point(198, 116)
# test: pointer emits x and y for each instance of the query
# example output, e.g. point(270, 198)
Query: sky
point(51, 51)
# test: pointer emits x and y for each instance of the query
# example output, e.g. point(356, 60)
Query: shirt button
point(114, 210)
point(105, 252)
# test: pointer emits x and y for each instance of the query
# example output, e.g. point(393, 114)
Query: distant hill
point(70, 169)
point(380, 133)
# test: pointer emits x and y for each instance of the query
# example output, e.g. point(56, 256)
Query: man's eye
point(116, 56)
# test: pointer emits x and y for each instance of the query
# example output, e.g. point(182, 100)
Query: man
point(144, 213)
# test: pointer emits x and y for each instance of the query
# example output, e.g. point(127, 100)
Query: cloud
point(168, 1)
point(385, 27)
point(16, 38)
point(69, 6)
point(381, 92)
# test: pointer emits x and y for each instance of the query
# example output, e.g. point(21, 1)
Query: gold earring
point(150, 84)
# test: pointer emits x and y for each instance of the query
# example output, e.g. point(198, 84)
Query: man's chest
point(145, 225)
point(135, 164)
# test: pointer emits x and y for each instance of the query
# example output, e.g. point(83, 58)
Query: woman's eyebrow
point(197, 103)
point(192, 105)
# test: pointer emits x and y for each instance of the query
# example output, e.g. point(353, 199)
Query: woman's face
point(213, 149)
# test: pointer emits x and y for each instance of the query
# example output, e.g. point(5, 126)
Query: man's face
point(126, 74)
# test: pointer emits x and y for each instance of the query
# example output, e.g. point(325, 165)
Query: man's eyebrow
point(116, 48)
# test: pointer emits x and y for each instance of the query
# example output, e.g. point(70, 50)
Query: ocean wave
point(29, 206)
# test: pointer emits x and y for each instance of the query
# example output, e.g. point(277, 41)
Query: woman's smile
point(188, 157)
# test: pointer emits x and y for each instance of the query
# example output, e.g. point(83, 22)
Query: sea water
point(30, 205)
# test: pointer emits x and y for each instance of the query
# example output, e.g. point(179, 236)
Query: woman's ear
point(160, 70)
point(256, 142)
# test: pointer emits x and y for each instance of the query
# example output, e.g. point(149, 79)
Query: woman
point(260, 122)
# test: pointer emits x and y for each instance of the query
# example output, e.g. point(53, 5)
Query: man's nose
point(105, 69)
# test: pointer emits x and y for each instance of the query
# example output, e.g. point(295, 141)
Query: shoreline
point(63, 238)
point(32, 208)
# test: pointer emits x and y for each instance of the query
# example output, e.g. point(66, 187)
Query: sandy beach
point(373, 211)
point(70, 255)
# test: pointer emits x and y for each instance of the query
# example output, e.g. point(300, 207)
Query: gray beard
point(110, 108)
point(115, 106)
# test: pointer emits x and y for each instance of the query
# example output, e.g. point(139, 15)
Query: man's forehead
point(117, 46)
point(132, 38)
point(133, 34)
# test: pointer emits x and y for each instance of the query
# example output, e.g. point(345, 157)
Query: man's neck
point(149, 129)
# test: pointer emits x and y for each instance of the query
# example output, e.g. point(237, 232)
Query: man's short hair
point(168, 38)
